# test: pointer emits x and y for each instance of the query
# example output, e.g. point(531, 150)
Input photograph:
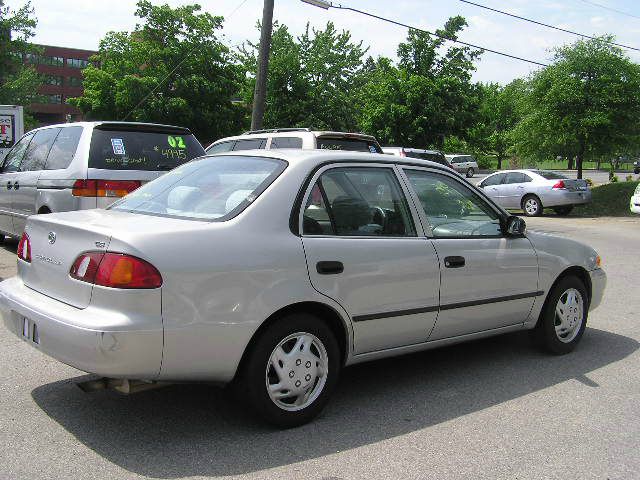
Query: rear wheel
point(291, 371)
point(531, 206)
point(470, 172)
point(564, 316)
point(565, 210)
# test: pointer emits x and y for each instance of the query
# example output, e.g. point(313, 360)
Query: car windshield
point(141, 150)
point(551, 175)
point(215, 188)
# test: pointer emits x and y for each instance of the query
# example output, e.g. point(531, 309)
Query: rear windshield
point(351, 144)
point(551, 175)
point(136, 150)
point(433, 157)
point(214, 188)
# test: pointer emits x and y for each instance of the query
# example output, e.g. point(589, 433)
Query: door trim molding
point(449, 306)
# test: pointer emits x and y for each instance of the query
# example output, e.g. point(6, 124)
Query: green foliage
point(175, 58)
point(610, 200)
point(589, 182)
point(312, 78)
point(19, 82)
point(586, 104)
point(628, 178)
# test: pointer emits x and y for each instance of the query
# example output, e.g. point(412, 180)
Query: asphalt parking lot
point(496, 408)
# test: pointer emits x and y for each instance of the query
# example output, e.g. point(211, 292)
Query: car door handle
point(8, 185)
point(16, 186)
point(520, 186)
point(329, 267)
point(454, 262)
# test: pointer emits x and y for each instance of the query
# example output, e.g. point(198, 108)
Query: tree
point(312, 78)
point(428, 96)
point(19, 81)
point(171, 69)
point(586, 104)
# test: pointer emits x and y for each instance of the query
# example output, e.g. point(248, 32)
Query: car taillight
point(24, 248)
point(559, 185)
point(115, 270)
point(104, 188)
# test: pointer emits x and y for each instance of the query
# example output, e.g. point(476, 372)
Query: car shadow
point(192, 430)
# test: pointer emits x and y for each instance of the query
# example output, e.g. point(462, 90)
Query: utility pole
point(260, 92)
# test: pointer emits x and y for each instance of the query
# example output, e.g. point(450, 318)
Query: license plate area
point(30, 331)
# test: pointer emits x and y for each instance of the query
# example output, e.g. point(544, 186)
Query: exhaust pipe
point(122, 385)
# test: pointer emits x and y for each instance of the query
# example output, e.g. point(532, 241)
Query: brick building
point(61, 68)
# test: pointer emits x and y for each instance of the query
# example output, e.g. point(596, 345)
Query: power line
point(166, 77)
point(611, 9)
point(545, 24)
point(508, 55)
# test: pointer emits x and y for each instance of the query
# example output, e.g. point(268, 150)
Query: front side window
point(493, 180)
point(14, 157)
point(452, 209)
point(213, 188)
point(64, 148)
point(357, 201)
point(515, 177)
point(36, 155)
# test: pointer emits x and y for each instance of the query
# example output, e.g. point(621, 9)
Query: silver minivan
point(77, 166)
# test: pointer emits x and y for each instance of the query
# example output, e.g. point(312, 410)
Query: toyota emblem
point(52, 237)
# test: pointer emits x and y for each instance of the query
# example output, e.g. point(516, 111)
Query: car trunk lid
point(575, 185)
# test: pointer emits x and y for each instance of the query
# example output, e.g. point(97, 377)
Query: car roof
point(458, 155)
point(142, 126)
point(296, 133)
point(410, 149)
point(316, 157)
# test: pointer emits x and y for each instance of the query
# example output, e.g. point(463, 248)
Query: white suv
point(463, 163)
point(296, 138)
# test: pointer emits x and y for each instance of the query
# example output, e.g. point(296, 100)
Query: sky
point(82, 23)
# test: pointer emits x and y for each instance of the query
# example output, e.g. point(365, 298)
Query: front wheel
point(470, 172)
point(566, 210)
point(531, 206)
point(564, 316)
point(291, 370)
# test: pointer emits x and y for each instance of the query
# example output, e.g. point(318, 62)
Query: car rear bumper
point(598, 283)
point(560, 198)
point(94, 340)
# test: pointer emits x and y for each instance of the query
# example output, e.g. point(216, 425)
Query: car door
point(25, 185)
point(488, 280)
point(513, 186)
point(364, 252)
point(8, 173)
point(493, 187)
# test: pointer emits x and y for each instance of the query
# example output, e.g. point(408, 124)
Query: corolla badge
point(52, 237)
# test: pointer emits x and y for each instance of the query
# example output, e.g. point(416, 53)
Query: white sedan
point(534, 190)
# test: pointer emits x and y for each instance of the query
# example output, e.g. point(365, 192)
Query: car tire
point(316, 366)
point(470, 172)
point(531, 206)
point(564, 316)
point(566, 210)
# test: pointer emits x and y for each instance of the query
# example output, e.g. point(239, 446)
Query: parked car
point(77, 166)
point(431, 155)
point(636, 167)
point(298, 139)
point(534, 190)
point(463, 163)
point(290, 266)
point(634, 203)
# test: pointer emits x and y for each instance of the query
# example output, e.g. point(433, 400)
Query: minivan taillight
point(115, 270)
point(104, 188)
point(24, 248)
point(559, 185)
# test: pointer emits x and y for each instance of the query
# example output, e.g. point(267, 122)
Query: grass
point(610, 200)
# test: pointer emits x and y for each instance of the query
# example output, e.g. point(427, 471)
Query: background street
point(497, 408)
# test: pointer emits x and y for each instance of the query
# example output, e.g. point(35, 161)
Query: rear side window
point(36, 154)
point(250, 144)
point(64, 148)
point(350, 144)
point(213, 188)
point(141, 150)
point(286, 142)
point(15, 155)
point(221, 147)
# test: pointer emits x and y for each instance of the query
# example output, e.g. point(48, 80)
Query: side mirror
point(515, 226)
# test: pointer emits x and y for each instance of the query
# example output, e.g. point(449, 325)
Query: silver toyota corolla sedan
point(534, 190)
point(274, 270)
